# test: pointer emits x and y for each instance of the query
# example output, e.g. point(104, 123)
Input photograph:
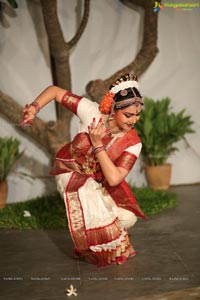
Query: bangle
point(36, 105)
point(94, 148)
point(100, 145)
point(98, 149)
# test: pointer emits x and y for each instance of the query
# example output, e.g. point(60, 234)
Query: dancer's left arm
point(113, 174)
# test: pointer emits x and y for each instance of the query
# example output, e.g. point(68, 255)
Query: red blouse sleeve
point(71, 101)
point(126, 160)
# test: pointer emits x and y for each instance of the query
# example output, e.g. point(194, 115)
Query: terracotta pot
point(3, 193)
point(158, 177)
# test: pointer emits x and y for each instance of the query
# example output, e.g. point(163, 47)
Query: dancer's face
point(126, 118)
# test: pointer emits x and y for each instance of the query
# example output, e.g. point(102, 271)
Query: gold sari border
point(104, 234)
point(126, 160)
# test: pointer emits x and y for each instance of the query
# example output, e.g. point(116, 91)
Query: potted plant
point(160, 129)
point(9, 153)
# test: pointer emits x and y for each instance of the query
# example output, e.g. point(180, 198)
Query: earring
point(111, 117)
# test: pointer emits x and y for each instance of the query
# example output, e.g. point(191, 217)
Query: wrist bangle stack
point(36, 105)
point(98, 149)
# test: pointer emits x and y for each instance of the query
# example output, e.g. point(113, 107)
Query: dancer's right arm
point(50, 93)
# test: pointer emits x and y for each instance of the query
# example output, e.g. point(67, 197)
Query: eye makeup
point(129, 115)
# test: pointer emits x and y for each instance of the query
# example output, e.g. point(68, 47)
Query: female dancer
point(90, 171)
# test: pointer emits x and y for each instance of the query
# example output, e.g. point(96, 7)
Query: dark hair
point(127, 94)
point(130, 93)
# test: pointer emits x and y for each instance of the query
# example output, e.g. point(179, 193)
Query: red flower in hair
point(106, 103)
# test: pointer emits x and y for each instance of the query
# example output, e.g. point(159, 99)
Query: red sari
point(91, 203)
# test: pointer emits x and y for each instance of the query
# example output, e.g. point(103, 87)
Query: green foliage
point(9, 153)
point(159, 129)
point(48, 212)
point(154, 201)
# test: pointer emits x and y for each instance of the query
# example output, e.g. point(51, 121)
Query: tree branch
point(13, 112)
point(59, 50)
point(51, 136)
point(97, 88)
point(149, 45)
point(59, 53)
point(82, 26)
point(58, 46)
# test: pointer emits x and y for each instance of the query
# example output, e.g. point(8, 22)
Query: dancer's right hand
point(29, 113)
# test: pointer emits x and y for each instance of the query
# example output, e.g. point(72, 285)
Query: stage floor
point(37, 264)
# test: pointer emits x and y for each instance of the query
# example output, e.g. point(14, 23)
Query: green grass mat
point(48, 212)
point(154, 202)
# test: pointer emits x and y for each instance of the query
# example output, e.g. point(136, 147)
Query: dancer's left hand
point(97, 131)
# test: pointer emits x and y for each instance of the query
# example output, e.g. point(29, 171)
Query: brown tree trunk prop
point(52, 135)
point(60, 50)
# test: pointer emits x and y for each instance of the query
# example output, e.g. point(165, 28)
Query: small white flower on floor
point(27, 213)
point(71, 291)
